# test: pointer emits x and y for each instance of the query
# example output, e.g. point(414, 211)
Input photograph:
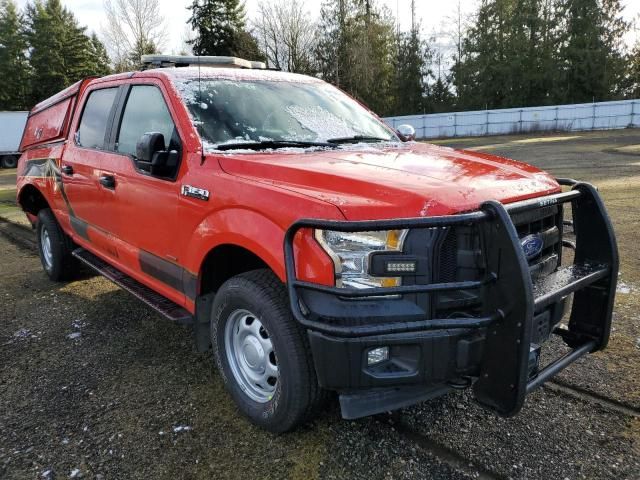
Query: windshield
point(227, 112)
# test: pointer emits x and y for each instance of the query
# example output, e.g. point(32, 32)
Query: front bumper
point(493, 349)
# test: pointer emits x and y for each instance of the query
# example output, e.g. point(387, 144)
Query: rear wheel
point(262, 353)
point(10, 161)
point(54, 247)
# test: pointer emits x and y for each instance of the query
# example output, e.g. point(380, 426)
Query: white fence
point(569, 118)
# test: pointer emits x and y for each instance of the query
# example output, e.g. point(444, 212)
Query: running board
point(159, 303)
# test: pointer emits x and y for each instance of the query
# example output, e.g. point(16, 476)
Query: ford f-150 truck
point(312, 247)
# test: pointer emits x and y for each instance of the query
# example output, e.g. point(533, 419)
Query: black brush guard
point(511, 297)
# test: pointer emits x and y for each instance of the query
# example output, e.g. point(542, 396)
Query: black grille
point(460, 255)
point(449, 258)
point(459, 259)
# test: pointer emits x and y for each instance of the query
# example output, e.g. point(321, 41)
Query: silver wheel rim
point(251, 355)
point(45, 243)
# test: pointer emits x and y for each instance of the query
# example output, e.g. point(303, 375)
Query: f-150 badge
point(195, 192)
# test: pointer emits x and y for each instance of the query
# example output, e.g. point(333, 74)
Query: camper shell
point(49, 120)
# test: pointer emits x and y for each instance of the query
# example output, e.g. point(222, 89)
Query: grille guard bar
point(510, 296)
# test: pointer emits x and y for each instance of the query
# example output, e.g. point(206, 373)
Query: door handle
point(108, 181)
point(67, 169)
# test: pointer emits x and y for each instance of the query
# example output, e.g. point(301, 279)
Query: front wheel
point(262, 353)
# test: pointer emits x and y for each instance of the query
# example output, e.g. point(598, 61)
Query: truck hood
point(370, 182)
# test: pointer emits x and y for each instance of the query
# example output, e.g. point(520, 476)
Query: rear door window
point(145, 112)
point(95, 118)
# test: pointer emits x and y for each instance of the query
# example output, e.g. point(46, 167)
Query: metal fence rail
point(567, 118)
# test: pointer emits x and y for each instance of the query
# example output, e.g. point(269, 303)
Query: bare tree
point(286, 35)
point(458, 30)
point(133, 28)
point(186, 41)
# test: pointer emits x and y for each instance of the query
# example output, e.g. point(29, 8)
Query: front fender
point(241, 227)
point(264, 238)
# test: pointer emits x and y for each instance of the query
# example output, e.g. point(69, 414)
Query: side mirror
point(407, 133)
point(153, 158)
point(149, 144)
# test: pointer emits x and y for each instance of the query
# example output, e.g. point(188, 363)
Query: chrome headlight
point(350, 254)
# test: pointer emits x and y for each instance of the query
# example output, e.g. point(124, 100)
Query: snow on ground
point(181, 428)
point(625, 288)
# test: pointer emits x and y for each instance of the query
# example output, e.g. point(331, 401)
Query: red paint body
point(254, 197)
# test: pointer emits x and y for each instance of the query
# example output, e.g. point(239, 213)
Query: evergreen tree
point(100, 58)
point(334, 39)
point(78, 50)
point(220, 30)
point(411, 73)
point(60, 52)
point(632, 82)
point(14, 69)
point(140, 47)
point(45, 34)
point(530, 55)
point(537, 52)
point(440, 98)
point(591, 60)
point(356, 51)
point(370, 56)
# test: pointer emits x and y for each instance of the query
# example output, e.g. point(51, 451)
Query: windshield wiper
point(358, 138)
point(264, 144)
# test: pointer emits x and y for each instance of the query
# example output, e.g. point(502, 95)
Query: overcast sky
point(432, 13)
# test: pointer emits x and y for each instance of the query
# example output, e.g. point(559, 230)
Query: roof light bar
point(164, 61)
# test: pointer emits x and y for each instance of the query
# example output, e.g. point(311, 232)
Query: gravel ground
point(95, 385)
point(553, 437)
point(92, 380)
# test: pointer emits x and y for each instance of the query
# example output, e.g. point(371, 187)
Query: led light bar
point(400, 267)
point(163, 61)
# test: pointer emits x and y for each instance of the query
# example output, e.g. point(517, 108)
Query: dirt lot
point(93, 384)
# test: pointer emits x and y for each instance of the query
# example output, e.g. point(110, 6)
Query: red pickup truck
point(312, 247)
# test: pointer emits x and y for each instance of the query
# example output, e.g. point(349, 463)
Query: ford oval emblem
point(532, 245)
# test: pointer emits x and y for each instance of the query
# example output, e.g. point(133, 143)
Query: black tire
point(61, 264)
point(297, 394)
point(10, 161)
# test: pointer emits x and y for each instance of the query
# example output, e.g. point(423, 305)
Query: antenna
point(413, 15)
point(202, 158)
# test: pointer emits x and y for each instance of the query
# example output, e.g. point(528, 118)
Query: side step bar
point(566, 280)
point(159, 303)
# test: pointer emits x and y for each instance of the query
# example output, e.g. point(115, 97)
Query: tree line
point(543, 52)
point(508, 53)
point(43, 50)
